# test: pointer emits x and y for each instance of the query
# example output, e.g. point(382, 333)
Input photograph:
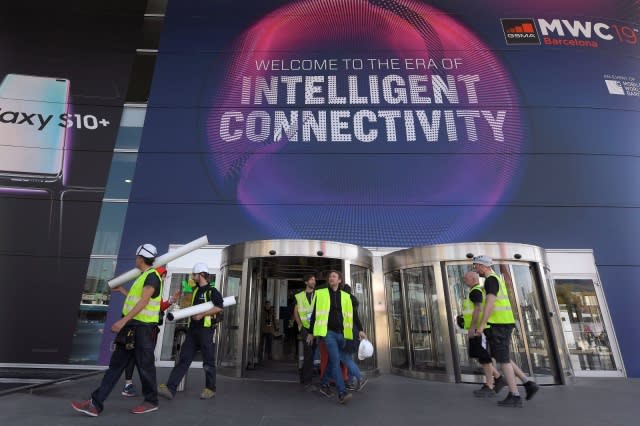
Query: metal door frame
point(249, 251)
point(545, 315)
point(443, 330)
point(462, 253)
point(606, 318)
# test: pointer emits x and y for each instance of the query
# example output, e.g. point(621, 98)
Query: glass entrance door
point(397, 338)
point(422, 307)
point(585, 328)
point(530, 346)
point(229, 357)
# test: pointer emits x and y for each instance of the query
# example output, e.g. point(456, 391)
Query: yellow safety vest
point(323, 305)
point(468, 307)
point(207, 319)
point(151, 313)
point(305, 309)
point(502, 312)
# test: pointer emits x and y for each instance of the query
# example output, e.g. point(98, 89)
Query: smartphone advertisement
point(398, 123)
point(63, 77)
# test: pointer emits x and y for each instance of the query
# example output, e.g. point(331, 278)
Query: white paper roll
point(198, 309)
point(190, 311)
point(160, 261)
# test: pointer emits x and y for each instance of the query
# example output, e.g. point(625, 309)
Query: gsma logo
point(520, 31)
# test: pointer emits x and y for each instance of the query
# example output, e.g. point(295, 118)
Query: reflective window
point(458, 291)
point(395, 308)
point(533, 321)
point(422, 305)
point(120, 179)
point(157, 7)
point(141, 76)
point(151, 29)
point(584, 328)
point(361, 289)
point(109, 230)
point(230, 357)
point(93, 312)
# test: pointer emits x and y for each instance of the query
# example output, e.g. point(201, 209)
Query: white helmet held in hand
point(148, 251)
point(200, 267)
point(365, 350)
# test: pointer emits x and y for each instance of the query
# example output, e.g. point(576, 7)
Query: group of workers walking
point(326, 316)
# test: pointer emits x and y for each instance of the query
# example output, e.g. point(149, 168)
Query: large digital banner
point(397, 123)
point(63, 77)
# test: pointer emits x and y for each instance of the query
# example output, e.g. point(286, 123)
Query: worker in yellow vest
point(140, 315)
point(497, 324)
point(302, 311)
point(332, 321)
point(472, 309)
point(200, 336)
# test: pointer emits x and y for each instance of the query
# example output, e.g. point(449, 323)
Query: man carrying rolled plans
point(199, 336)
point(135, 338)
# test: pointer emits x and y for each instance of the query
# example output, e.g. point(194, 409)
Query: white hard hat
point(365, 350)
point(147, 251)
point(200, 267)
point(483, 260)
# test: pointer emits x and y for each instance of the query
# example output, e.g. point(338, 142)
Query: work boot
point(531, 388)
point(499, 383)
point(326, 391)
point(344, 397)
point(484, 392)
point(511, 401)
point(164, 391)
point(207, 393)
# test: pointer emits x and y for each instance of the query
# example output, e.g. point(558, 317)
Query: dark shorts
point(477, 351)
point(499, 339)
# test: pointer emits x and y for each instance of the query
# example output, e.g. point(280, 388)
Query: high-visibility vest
point(502, 312)
point(207, 319)
point(323, 305)
point(151, 312)
point(305, 309)
point(468, 307)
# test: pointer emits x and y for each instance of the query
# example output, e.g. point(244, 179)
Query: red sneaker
point(145, 407)
point(85, 407)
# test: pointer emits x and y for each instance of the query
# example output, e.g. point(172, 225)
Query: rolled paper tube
point(160, 261)
point(198, 309)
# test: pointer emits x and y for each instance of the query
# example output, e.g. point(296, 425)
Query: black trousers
point(306, 375)
point(144, 359)
point(128, 371)
point(197, 339)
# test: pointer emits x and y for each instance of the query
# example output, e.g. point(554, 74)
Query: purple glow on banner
point(346, 179)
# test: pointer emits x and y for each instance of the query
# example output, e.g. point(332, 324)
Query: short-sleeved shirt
point(491, 286)
point(476, 296)
point(154, 281)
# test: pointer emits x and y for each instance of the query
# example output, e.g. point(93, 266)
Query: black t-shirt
point(476, 296)
point(491, 286)
point(205, 294)
point(335, 312)
point(154, 281)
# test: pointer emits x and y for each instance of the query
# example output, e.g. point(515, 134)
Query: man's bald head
point(471, 278)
